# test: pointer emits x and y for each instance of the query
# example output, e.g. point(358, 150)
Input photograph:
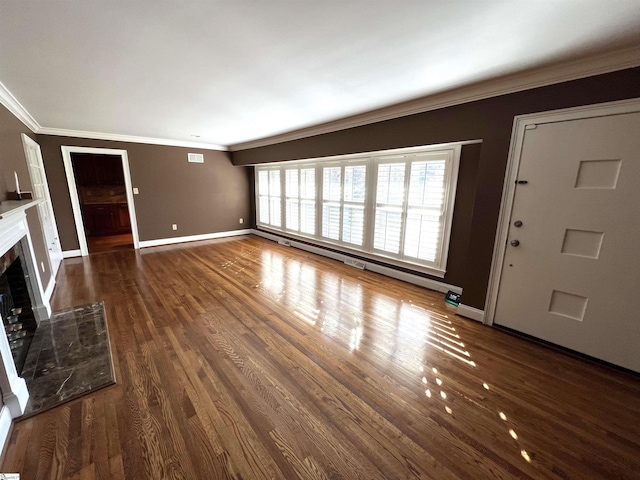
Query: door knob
point(517, 223)
point(515, 243)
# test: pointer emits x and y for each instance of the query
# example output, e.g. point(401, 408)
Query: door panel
point(573, 279)
point(40, 190)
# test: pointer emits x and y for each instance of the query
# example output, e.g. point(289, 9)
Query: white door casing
point(40, 190)
point(75, 199)
point(572, 280)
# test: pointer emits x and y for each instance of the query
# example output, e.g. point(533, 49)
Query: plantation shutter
point(331, 193)
point(424, 209)
point(263, 197)
point(292, 210)
point(308, 201)
point(275, 205)
point(355, 178)
point(389, 201)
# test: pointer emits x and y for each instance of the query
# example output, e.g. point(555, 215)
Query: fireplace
point(16, 305)
point(23, 303)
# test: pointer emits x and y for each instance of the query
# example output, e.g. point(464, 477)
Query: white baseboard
point(5, 426)
point(193, 238)
point(412, 278)
point(71, 253)
point(470, 312)
point(49, 290)
point(16, 399)
point(373, 267)
point(42, 312)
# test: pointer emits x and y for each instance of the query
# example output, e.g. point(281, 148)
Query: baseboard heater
point(388, 270)
point(352, 262)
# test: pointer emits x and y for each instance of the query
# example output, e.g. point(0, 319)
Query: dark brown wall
point(478, 200)
point(200, 198)
point(12, 159)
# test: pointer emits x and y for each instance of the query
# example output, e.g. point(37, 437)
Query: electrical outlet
point(135, 191)
point(242, 220)
point(174, 226)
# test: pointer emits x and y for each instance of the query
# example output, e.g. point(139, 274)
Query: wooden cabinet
point(97, 170)
point(109, 172)
point(99, 219)
point(106, 219)
point(123, 220)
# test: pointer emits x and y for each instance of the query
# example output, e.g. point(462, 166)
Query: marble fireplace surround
point(13, 230)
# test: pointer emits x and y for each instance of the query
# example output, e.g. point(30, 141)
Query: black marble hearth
point(69, 356)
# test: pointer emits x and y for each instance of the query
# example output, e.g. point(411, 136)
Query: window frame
point(450, 153)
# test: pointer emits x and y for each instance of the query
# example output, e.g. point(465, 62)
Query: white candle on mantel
point(17, 183)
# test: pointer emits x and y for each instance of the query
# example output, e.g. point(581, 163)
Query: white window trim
point(372, 160)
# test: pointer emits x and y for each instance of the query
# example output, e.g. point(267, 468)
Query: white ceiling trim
point(14, 106)
point(128, 138)
point(525, 80)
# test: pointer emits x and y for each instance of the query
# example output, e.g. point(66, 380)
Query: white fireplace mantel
point(13, 230)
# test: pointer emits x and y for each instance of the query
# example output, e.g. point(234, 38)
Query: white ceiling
point(234, 71)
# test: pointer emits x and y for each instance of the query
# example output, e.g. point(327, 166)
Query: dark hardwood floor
point(240, 358)
point(109, 243)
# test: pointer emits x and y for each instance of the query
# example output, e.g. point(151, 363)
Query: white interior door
point(45, 209)
point(571, 271)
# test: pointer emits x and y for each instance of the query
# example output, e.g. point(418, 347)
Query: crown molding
point(511, 83)
point(14, 106)
point(515, 82)
point(62, 132)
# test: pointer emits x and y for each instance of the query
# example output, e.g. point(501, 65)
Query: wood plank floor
point(240, 358)
point(108, 243)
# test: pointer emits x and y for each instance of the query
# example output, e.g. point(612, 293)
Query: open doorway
point(102, 198)
point(103, 201)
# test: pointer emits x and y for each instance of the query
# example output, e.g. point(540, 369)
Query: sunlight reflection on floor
point(334, 305)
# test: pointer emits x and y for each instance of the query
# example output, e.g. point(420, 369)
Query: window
point(389, 202)
point(343, 201)
point(425, 201)
point(331, 194)
point(394, 204)
point(269, 201)
point(300, 188)
point(293, 200)
point(410, 201)
point(355, 177)
point(308, 200)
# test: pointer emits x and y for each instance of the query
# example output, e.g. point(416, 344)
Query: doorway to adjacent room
point(102, 199)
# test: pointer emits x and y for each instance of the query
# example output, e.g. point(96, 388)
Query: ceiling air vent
point(196, 158)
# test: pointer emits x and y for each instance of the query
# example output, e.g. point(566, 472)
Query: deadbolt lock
point(515, 243)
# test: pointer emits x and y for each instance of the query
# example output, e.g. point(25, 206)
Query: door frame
point(521, 123)
point(67, 150)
